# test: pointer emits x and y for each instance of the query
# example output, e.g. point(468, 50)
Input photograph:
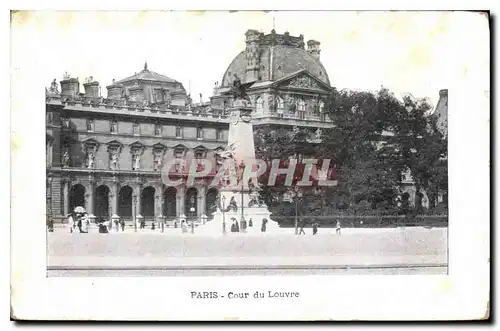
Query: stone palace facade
point(106, 153)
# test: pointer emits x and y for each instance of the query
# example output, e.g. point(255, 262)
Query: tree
point(373, 139)
point(367, 162)
point(424, 150)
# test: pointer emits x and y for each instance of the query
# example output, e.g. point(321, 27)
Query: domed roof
point(285, 60)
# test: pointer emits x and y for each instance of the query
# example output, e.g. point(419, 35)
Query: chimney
point(252, 56)
point(70, 87)
point(91, 88)
point(114, 91)
point(313, 48)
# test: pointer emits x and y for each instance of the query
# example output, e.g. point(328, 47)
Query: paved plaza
point(149, 252)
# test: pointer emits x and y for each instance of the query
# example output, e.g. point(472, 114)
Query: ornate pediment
point(159, 149)
point(180, 150)
point(137, 147)
point(302, 80)
point(90, 145)
point(200, 151)
point(114, 146)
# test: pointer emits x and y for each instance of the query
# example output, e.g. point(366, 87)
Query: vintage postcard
point(214, 165)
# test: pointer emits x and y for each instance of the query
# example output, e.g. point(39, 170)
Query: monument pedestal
point(240, 150)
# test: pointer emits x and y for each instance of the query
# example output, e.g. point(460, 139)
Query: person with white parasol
point(80, 217)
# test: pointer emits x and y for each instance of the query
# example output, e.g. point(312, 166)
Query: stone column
point(90, 207)
point(114, 199)
point(201, 201)
point(66, 197)
point(138, 193)
point(181, 196)
point(160, 202)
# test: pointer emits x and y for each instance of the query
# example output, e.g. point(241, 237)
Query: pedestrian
point(71, 223)
point(79, 221)
point(302, 224)
point(234, 226)
point(337, 230)
point(152, 225)
point(102, 226)
point(50, 225)
point(122, 223)
point(315, 228)
point(264, 225)
point(250, 223)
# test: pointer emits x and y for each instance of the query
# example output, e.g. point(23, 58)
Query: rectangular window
point(137, 128)
point(158, 129)
point(219, 134)
point(199, 133)
point(113, 126)
point(178, 132)
point(90, 125)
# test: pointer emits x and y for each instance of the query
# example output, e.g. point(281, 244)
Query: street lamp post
point(242, 168)
point(192, 214)
point(134, 207)
point(296, 215)
point(296, 197)
point(223, 214)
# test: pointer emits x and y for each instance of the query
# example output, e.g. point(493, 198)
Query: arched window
point(259, 105)
point(280, 105)
point(301, 105)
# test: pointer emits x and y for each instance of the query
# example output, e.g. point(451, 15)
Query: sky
point(407, 52)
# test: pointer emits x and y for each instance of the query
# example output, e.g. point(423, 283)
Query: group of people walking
point(315, 226)
point(78, 221)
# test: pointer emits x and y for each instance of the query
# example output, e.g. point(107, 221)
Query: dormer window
point(259, 105)
point(301, 105)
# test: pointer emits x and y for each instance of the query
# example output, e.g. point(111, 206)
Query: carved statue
point(157, 163)
point(91, 160)
point(66, 75)
point(228, 153)
point(137, 164)
point(290, 101)
point(65, 159)
point(232, 205)
point(254, 200)
point(53, 87)
point(271, 100)
point(114, 161)
point(317, 135)
point(238, 90)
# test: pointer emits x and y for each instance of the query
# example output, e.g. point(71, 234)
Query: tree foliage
point(374, 138)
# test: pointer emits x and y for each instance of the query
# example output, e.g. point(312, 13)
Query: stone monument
point(240, 151)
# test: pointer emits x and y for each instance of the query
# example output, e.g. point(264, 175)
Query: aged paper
point(250, 165)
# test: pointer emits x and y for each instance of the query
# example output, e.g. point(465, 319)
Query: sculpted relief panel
point(304, 81)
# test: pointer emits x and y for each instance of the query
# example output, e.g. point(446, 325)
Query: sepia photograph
point(243, 143)
point(274, 170)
